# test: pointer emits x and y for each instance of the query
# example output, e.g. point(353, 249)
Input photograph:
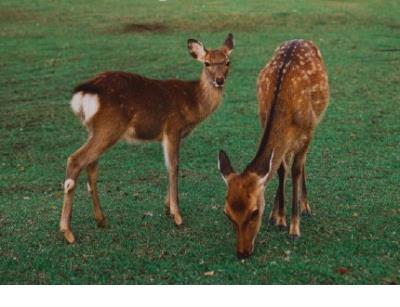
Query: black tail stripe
point(88, 88)
point(264, 140)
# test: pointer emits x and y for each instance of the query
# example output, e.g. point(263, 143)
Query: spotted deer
point(116, 106)
point(293, 94)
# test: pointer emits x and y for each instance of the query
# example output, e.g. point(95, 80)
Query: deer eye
point(254, 215)
point(207, 64)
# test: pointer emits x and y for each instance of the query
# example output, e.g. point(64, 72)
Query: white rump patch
point(85, 105)
point(76, 103)
point(90, 106)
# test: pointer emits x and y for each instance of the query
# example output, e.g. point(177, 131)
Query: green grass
point(47, 47)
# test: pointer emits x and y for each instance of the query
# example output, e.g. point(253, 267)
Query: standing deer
point(293, 94)
point(117, 106)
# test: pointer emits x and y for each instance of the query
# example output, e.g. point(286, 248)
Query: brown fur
point(293, 95)
point(136, 108)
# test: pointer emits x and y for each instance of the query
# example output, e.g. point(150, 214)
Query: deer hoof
point(305, 209)
point(281, 227)
point(177, 220)
point(280, 223)
point(306, 213)
point(294, 237)
point(102, 223)
point(69, 236)
point(271, 221)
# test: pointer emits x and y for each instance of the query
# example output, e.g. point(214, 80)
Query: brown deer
point(117, 106)
point(293, 94)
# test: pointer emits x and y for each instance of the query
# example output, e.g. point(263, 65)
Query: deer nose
point(220, 81)
point(243, 255)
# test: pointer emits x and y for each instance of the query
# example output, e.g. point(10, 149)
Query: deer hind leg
point(92, 170)
point(171, 154)
point(79, 160)
point(277, 215)
point(297, 175)
point(304, 205)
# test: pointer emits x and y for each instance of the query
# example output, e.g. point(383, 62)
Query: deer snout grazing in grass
point(293, 94)
point(117, 106)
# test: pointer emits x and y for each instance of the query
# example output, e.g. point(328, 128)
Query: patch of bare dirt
point(154, 27)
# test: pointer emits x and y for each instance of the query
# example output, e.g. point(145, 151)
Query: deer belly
point(138, 134)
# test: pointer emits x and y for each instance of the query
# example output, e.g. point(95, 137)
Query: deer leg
point(92, 170)
point(297, 172)
point(304, 205)
point(277, 215)
point(171, 154)
point(84, 156)
point(167, 210)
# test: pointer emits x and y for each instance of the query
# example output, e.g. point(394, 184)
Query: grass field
point(47, 47)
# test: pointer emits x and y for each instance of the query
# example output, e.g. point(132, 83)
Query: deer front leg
point(171, 154)
point(277, 215)
point(304, 205)
point(297, 180)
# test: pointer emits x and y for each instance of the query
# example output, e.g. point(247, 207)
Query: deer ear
point(228, 44)
point(263, 177)
point(196, 49)
point(224, 165)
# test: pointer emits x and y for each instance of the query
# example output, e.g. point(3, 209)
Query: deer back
point(296, 81)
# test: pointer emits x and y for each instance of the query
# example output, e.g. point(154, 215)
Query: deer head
point(216, 61)
point(244, 203)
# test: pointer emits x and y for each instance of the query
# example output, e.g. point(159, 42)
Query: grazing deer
point(293, 94)
point(117, 106)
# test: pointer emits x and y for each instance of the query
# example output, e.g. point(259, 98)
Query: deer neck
point(207, 95)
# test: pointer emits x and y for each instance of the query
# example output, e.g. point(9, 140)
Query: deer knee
point(173, 168)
